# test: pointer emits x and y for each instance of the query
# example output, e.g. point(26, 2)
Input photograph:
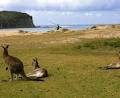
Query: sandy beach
point(98, 32)
point(17, 33)
point(105, 31)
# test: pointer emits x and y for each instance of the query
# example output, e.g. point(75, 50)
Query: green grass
point(73, 72)
point(102, 43)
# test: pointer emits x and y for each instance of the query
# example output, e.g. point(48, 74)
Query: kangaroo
point(38, 71)
point(115, 65)
point(15, 65)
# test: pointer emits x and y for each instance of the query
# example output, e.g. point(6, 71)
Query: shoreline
point(97, 31)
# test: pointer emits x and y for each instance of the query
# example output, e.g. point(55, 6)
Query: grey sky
point(67, 11)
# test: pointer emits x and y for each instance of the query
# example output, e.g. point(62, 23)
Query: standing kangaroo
point(15, 65)
point(38, 71)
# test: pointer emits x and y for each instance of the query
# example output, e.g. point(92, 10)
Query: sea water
point(47, 28)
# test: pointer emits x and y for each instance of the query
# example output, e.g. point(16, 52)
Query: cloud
point(88, 14)
point(60, 5)
point(84, 17)
point(5, 2)
point(67, 11)
point(96, 14)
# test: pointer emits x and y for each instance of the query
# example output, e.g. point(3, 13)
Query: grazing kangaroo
point(38, 71)
point(15, 65)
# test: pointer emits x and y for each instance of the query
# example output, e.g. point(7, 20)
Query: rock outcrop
point(12, 19)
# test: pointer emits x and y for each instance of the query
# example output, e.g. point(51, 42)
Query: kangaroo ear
point(36, 58)
point(33, 59)
point(6, 68)
point(7, 46)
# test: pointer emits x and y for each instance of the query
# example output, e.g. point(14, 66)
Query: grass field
point(73, 71)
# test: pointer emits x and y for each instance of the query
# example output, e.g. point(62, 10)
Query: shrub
point(101, 43)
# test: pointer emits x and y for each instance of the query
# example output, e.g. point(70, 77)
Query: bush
point(102, 43)
point(22, 31)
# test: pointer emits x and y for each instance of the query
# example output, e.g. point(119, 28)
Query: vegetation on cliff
point(12, 19)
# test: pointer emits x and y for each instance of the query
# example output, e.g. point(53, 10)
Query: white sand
point(15, 33)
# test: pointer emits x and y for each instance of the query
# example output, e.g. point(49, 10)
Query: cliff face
point(12, 19)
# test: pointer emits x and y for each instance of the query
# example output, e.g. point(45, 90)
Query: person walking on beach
point(58, 27)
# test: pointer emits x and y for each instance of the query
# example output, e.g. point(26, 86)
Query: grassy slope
point(73, 72)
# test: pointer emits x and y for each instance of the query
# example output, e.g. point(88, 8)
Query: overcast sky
point(67, 11)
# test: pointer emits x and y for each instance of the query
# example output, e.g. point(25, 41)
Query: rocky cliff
point(12, 19)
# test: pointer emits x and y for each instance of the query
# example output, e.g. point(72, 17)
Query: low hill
point(12, 19)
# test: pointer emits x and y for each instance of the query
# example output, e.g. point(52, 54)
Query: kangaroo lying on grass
point(15, 65)
point(38, 71)
point(115, 65)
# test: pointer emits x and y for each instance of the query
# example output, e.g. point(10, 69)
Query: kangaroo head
point(35, 63)
point(5, 48)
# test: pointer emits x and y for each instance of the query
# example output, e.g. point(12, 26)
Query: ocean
point(47, 28)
